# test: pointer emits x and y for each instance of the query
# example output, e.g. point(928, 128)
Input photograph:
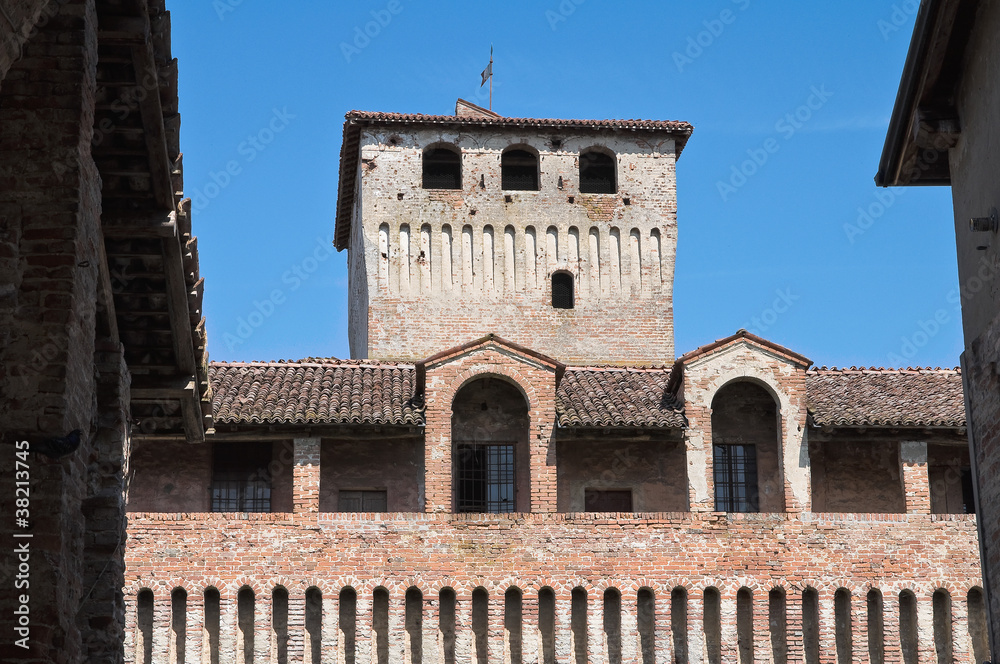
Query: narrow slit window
point(578, 625)
point(679, 623)
point(547, 624)
point(347, 614)
point(144, 627)
point(314, 626)
point(744, 625)
point(279, 624)
point(909, 642)
point(613, 625)
point(480, 625)
point(178, 624)
point(597, 173)
point(646, 624)
point(380, 626)
point(446, 623)
point(562, 290)
point(810, 625)
point(442, 169)
point(245, 607)
point(415, 624)
point(210, 637)
point(843, 626)
point(713, 625)
point(519, 170)
point(512, 617)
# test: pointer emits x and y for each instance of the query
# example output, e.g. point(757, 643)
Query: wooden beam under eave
point(105, 292)
point(194, 424)
point(152, 122)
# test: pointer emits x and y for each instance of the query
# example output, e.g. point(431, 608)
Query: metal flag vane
point(488, 76)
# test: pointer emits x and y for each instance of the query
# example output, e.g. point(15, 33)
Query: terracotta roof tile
point(886, 397)
point(421, 118)
point(330, 391)
point(315, 391)
point(617, 397)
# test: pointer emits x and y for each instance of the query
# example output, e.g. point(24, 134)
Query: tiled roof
point(420, 118)
point(616, 397)
point(315, 391)
point(886, 397)
point(330, 391)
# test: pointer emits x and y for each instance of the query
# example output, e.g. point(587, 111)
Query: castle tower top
point(557, 234)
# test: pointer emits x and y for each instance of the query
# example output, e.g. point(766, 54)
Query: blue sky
point(781, 229)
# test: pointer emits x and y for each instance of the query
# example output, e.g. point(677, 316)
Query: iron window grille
point(241, 492)
point(484, 477)
point(736, 478)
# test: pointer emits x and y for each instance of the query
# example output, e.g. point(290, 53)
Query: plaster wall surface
point(445, 266)
point(654, 470)
point(857, 475)
point(397, 466)
point(975, 192)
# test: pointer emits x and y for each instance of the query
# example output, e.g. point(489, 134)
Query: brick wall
point(19, 22)
point(660, 551)
point(57, 373)
point(443, 267)
point(982, 389)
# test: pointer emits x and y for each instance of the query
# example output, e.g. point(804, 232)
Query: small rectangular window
point(736, 478)
point(968, 492)
point(607, 500)
point(362, 500)
point(241, 481)
point(484, 475)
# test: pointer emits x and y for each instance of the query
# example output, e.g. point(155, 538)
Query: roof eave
point(934, 56)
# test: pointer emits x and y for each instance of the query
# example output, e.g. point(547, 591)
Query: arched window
point(562, 290)
point(597, 173)
point(519, 170)
point(490, 437)
point(442, 168)
point(746, 449)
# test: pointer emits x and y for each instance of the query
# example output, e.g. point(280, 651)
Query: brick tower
point(556, 234)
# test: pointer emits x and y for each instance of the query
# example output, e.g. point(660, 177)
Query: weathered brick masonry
point(515, 468)
point(71, 181)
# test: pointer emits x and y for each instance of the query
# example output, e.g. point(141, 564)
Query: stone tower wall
point(442, 267)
